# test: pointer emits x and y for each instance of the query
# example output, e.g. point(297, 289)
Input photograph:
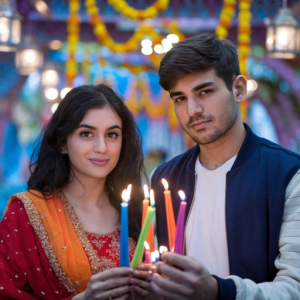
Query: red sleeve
point(25, 272)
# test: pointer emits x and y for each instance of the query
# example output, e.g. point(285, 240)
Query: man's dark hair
point(199, 54)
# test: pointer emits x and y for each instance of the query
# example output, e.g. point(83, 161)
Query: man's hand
point(182, 278)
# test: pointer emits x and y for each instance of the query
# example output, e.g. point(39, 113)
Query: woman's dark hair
point(199, 54)
point(52, 170)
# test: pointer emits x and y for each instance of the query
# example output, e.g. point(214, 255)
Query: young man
point(242, 231)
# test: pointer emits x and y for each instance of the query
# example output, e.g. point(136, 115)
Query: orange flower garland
point(226, 16)
point(152, 11)
point(72, 39)
point(244, 32)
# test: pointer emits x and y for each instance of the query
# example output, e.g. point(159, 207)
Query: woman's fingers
point(115, 272)
point(140, 291)
point(141, 283)
point(144, 275)
point(119, 292)
point(110, 284)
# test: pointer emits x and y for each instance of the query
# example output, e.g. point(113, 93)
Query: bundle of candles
point(146, 245)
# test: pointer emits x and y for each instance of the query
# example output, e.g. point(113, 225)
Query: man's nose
point(100, 145)
point(193, 107)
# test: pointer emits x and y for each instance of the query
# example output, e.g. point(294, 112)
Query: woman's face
point(95, 146)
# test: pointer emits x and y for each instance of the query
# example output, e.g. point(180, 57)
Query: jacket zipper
point(193, 200)
point(226, 224)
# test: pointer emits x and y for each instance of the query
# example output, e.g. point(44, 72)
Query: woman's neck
point(86, 192)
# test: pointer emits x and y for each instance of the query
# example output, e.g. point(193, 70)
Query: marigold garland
point(136, 14)
point(72, 39)
point(226, 16)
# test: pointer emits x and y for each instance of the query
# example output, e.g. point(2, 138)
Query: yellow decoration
point(127, 11)
point(72, 39)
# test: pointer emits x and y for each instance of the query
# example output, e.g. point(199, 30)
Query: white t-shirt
point(206, 238)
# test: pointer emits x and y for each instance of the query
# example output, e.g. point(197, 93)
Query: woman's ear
point(64, 150)
point(240, 88)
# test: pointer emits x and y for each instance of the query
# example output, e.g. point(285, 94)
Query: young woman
point(60, 239)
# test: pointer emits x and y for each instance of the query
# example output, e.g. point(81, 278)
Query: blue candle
point(124, 246)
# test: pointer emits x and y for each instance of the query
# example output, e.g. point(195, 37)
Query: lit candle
point(150, 236)
point(139, 250)
point(124, 247)
point(178, 248)
point(156, 254)
point(153, 258)
point(170, 214)
point(147, 253)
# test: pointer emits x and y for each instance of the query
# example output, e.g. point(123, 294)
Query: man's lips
point(199, 124)
point(99, 161)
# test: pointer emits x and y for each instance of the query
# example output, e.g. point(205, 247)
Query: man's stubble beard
point(217, 133)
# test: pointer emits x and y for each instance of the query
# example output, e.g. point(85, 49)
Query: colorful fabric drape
point(46, 254)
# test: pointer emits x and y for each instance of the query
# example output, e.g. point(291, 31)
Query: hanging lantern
point(50, 77)
point(28, 58)
point(10, 27)
point(282, 39)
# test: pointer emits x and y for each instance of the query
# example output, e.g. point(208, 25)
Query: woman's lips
point(200, 125)
point(99, 162)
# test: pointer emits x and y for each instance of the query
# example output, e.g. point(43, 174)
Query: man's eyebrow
point(196, 88)
point(94, 128)
point(203, 85)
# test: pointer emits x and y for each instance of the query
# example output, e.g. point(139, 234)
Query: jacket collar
point(249, 146)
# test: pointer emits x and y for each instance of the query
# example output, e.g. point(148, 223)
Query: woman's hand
point(110, 284)
point(141, 281)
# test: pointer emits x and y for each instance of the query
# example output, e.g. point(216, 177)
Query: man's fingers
point(182, 262)
point(172, 287)
point(157, 289)
point(189, 279)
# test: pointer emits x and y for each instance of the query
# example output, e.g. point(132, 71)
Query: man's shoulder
point(279, 151)
point(177, 162)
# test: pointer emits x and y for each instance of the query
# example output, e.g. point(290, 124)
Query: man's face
point(204, 106)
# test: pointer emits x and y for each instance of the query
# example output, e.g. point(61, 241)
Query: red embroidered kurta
point(25, 272)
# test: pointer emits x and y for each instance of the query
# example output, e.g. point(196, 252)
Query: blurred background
point(50, 46)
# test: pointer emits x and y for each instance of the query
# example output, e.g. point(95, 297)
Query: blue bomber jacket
point(254, 205)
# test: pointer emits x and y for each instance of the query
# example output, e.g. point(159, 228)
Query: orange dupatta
point(59, 240)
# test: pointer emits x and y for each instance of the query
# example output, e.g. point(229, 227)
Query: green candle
point(139, 250)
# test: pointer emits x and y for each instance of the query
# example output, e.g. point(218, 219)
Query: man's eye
point(205, 92)
point(112, 135)
point(85, 134)
point(180, 99)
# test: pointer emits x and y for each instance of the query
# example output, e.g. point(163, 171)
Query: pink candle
point(147, 253)
point(178, 248)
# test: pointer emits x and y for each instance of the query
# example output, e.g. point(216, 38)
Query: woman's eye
point(86, 134)
point(112, 135)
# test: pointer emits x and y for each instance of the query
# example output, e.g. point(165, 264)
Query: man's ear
point(240, 88)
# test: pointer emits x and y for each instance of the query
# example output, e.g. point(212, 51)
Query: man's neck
point(214, 155)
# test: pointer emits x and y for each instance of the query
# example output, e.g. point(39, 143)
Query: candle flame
point(181, 195)
point(125, 196)
point(163, 249)
point(129, 190)
point(156, 253)
point(165, 183)
point(147, 247)
point(146, 191)
point(152, 201)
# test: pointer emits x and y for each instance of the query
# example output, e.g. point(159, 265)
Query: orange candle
point(170, 215)
point(150, 236)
